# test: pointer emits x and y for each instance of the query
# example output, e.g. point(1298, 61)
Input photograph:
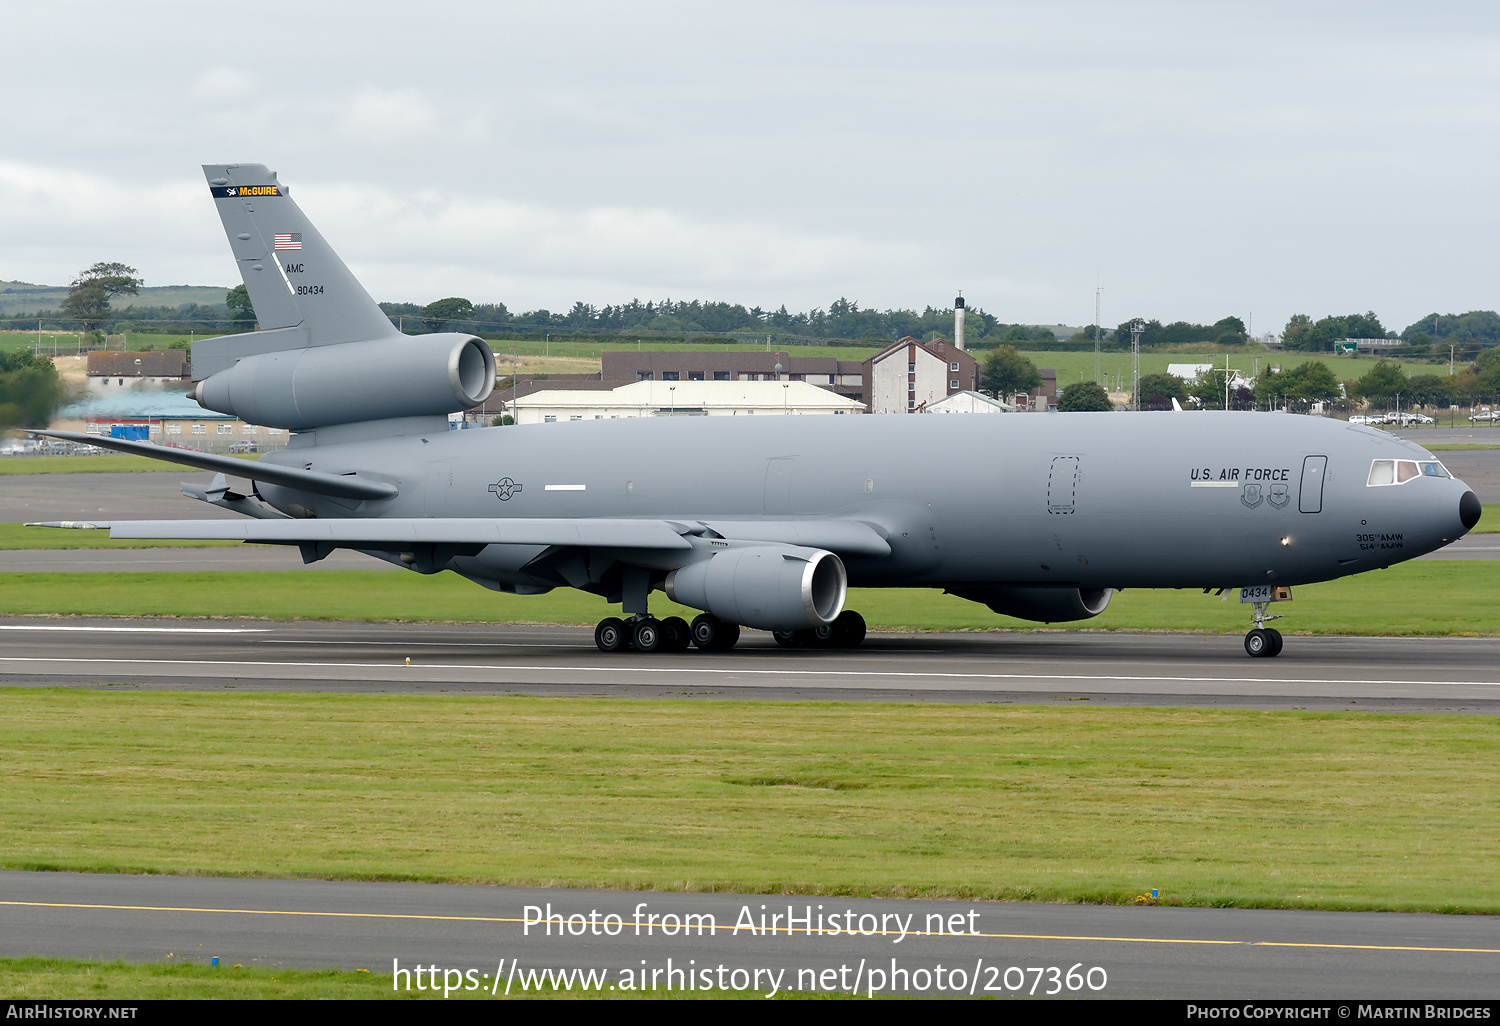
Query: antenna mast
point(1136, 327)
point(1097, 290)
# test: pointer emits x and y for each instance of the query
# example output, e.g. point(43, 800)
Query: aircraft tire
point(710, 633)
point(676, 630)
point(848, 629)
point(789, 639)
point(609, 636)
point(1258, 644)
point(825, 636)
point(649, 635)
point(1275, 641)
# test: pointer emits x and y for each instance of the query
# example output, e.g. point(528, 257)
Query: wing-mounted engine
point(1039, 604)
point(381, 379)
point(768, 587)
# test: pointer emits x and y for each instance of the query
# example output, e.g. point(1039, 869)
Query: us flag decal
point(288, 240)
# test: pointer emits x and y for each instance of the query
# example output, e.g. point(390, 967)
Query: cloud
point(218, 84)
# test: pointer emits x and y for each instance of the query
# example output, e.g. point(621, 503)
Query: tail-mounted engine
point(401, 376)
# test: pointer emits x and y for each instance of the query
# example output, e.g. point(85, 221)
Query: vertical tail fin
point(295, 280)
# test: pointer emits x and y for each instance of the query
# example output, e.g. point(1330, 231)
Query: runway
point(1448, 675)
point(822, 944)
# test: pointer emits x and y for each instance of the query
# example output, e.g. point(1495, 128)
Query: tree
point(440, 312)
point(1299, 387)
point(1084, 397)
point(240, 310)
point(1158, 391)
point(1428, 390)
point(89, 295)
point(30, 390)
point(1382, 382)
point(1006, 372)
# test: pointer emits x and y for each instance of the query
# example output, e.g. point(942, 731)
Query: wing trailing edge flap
point(344, 486)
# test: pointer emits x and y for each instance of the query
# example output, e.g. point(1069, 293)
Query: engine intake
point(404, 376)
point(768, 587)
point(1040, 604)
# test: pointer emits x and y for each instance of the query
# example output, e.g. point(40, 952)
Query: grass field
point(1063, 803)
point(1426, 598)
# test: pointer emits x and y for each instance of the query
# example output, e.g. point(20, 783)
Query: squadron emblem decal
point(1251, 496)
point(505, 488)
point(1280, 496)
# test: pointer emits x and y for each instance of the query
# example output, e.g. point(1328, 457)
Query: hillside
point(21, 296)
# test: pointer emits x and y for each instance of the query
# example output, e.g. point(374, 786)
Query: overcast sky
point(1199, 159)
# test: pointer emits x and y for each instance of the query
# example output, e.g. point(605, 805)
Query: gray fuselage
point(1108, 500)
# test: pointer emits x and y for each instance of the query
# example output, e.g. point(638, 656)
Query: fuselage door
point(1062, 484)
point(778, 495)
point(1314, 469)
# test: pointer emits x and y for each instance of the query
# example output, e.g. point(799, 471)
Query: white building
point(683, 399)
point(969, 402)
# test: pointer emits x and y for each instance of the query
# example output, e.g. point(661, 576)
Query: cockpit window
point(1395, 472)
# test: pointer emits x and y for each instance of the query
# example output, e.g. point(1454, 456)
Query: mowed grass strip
point(175, 979)
point(19, 536)
point(1418, 598)
point(1071, 803)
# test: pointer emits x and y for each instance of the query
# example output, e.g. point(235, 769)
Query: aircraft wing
point(346, 486)
point(844, 537)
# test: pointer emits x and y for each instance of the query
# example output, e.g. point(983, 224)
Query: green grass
point(175, 979)
point(58, 979)
point(108, 463)
point(1426, 598)
point(19, 536)
point(1063, 803)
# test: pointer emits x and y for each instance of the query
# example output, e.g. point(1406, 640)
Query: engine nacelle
point(768, 587)
point(403, 376)
point(1040, 604)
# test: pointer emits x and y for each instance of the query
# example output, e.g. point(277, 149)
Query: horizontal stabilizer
point(343, 486)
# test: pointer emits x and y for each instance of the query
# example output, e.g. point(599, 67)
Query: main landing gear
point(1263, 642)
point(847, 631)
point(707, 632)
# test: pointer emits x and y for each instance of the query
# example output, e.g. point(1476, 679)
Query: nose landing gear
point(1263, 642)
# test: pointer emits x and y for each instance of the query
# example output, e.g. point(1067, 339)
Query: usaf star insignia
point(505, 488)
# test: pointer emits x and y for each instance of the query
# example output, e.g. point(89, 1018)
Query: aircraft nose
point(1468, 510)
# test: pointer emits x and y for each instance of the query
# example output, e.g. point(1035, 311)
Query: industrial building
point(682, 398)
point(109, 371)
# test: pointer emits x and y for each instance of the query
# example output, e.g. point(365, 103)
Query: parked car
point(1487, 415)
point(245, 447)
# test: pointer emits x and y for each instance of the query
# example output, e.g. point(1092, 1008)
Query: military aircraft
point(762, 522)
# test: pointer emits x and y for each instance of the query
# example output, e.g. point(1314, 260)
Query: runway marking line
point(746, 671)
point(774, 929)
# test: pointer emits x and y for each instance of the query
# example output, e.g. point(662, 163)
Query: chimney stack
point(958, 321)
